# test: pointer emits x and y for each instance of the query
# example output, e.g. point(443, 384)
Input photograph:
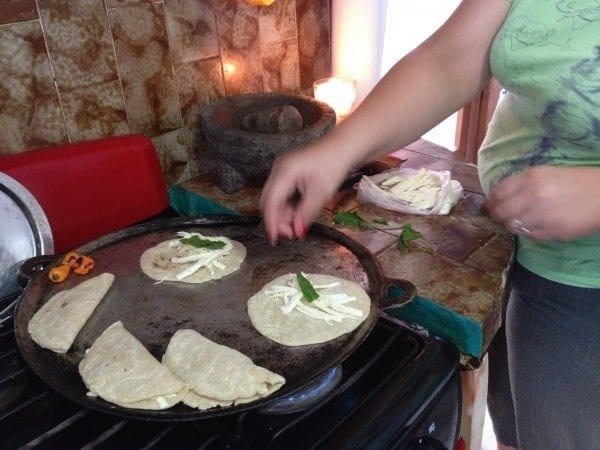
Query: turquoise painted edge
point(463, 332)
point(189, 204)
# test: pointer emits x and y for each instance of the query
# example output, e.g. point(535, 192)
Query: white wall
point(369, 36)
point(357, 41)
point(408, 23)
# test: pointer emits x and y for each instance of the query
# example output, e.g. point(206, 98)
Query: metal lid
point(25, 231)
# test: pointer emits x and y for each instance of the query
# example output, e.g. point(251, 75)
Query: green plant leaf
point(408, 234)
point(308, 291)
point(351, 219)
point(198, 242)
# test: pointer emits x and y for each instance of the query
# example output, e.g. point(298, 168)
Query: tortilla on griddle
point(157, 262)
point(216, 374)
point(297, 328)
point(119, 369)
point(56, 324)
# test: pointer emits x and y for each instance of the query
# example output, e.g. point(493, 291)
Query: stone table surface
point(458, 264)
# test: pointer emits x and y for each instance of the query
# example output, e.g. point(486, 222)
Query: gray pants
point(553, 342)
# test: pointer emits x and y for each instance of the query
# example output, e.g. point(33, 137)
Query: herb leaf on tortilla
point(308, 291)
point(198, 242)
point(408, 234)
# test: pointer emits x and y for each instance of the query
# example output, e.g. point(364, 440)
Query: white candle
point(339, 93)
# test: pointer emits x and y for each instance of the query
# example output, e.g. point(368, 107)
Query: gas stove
point(399, 390)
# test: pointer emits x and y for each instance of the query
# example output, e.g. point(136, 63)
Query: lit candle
point(339, 93)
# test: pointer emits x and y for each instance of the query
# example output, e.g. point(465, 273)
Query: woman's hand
point(298, 186)
point(549, 202)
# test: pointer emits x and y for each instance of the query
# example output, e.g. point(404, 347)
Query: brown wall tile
point(29, 107)
point(13, 11)
point(198, 82)
point(237, 25)
point(192, 28)
point(117, 3)
point(172, 149)
point(79, 42)
point(142, 50)
point(280, 66)
point(314, 40)
point(278, 21)
point(95, 112)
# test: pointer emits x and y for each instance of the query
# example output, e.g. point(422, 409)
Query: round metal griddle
point(153, 312)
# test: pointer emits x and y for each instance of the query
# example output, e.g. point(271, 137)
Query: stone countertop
point(458, 264)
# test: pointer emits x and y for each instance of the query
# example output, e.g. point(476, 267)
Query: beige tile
point(449, 236)
point(79, 42)
point(413, 160)
point(465, 290)
point(278, 21)
point(237, 24)
point(280, 66)
point(142, 50)
point(172, 150)
point(192, 30)
point(314, 43)
point(117, 3)
point(29, 110)
point(17, 11)
point(199, 82)
point(491, 257)
point(95, 112)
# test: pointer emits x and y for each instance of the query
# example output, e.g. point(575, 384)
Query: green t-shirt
point(547, 58)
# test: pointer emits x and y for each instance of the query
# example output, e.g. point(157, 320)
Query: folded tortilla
point(295, 328)
point(119, 369)
point(216, 374)
point(157, 262)
point(56, 324)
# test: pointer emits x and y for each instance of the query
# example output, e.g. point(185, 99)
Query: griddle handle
point(32, 267)
point(398, 293)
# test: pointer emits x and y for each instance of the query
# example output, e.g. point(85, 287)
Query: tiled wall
point(72, 70)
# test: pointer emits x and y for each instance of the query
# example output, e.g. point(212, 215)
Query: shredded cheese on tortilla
point(200, 256)
point(330, 306)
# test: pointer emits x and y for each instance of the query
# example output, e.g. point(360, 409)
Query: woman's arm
point(433, 81)
point(423, 88)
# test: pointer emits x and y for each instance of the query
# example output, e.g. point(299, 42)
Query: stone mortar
point(241, 155)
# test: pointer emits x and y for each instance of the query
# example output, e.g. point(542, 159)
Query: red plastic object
point(460, 444)
point(92, 188)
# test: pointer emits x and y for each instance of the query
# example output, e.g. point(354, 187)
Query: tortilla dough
point(296, 328)
point(119, 369)
point(156, 263)
point(217, 375)
point(58, 322)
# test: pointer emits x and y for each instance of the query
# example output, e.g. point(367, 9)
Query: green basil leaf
point(198, 242)
point(308, 291)
point(351, 219)
point(408, 234)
